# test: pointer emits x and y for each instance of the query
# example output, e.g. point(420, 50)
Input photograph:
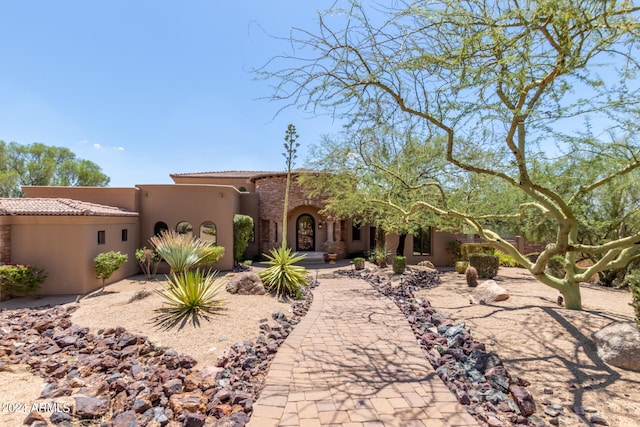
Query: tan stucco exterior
point(65, 245)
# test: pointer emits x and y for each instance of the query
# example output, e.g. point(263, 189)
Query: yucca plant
point(283, 277)
point(180, 251)
point(190, 294)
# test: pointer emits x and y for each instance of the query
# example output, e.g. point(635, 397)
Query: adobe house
point(203, 204)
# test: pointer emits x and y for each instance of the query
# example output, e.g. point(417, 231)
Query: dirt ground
point(539, 341)
point(550, 346)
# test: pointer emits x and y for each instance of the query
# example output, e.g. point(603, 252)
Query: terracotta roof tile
point(220, 174)
point(58, 206)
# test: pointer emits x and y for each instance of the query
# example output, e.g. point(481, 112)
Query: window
point(208, 232)
point(102, 238)
point(159, 228)
point(355, 232)
point(422, 241)
point(125, 234)
point(184, 227)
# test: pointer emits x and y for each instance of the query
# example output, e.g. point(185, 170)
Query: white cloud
point(120, 148)
point(97, 146)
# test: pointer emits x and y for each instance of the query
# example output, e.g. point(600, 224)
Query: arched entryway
point(305, 233)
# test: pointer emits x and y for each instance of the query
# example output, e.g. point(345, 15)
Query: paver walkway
point(353, 361)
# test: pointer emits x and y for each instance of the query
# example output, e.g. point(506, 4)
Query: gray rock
point(619, 345)
point(91, 407)
point(247, 283)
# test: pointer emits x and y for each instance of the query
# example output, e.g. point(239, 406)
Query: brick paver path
point(353, 361)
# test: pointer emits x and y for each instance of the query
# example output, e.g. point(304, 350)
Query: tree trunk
point(402, 238)
point(571, 294)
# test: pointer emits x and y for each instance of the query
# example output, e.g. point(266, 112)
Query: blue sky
point(152, 87)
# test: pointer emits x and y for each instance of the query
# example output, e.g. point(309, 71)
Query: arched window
point(184, 227)
point(208, 232)
point(159, 228)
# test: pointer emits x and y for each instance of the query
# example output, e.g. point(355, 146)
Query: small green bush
point(486, 265)
point(183, 251)
point(358, 263)
point(107, 263)
point(379, 256)
point(242, 232)
point(16, 279)
point(466, 249)
point(399, 264)
point(210, 255)
point(506, 260)
point(148, 259)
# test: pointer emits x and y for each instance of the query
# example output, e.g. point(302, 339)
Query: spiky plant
point(283, 277)
point(180, 251)
point(189, 295)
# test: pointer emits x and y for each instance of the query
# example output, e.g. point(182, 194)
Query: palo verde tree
point(505, 83)
point(39, 164)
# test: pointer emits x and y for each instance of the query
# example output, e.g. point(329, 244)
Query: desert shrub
point(283, 277)
point(454, 247)
point(506, 260)
point(486, 265)
point(189, 295)
point(379, 256)
point(107, 263)
point(555, 266)
point(16, 279)
point(466, 249)
point(399, 264)
point(210, 255)
point(358, 263)
point(471, 274)
point(183, 251)
point(242, 232)
point(148, 259)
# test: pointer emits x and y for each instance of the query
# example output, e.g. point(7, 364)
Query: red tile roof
point(58, 206)
point(220, 174)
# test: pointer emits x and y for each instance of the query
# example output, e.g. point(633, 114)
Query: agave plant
point(180, 251)
point(189, 295)
point(283, 277)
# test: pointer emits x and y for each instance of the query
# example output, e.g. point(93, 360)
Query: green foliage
point(399, 264)
point(184, 251)
point(466, 249)
point(39, 164)
point(210, 255)
point(190, 294)
point(556, 266)
point(148, 259)
point(18, 279)
point(461, 266)
point(454, 247)
point(486, 265)
point(242, 232)
point(506, 260)
point(107, 263)
point(633, 281)
point(379, 256)
point(358, 263)
point(283, 277)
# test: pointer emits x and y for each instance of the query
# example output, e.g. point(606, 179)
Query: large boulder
point(487, 292)
point(619, 345)
point(246, 283)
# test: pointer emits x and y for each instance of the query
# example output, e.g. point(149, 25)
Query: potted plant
point(358, 263)
point(332, 256)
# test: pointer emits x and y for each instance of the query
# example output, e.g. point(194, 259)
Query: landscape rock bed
point(475, 376)
point(117, 378)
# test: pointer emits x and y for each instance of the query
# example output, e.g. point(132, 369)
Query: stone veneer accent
point(5, 243)
point(270, 191)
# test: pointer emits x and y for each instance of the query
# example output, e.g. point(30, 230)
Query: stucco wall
point(439, 256)
point(65, 248)
point(195, 204)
